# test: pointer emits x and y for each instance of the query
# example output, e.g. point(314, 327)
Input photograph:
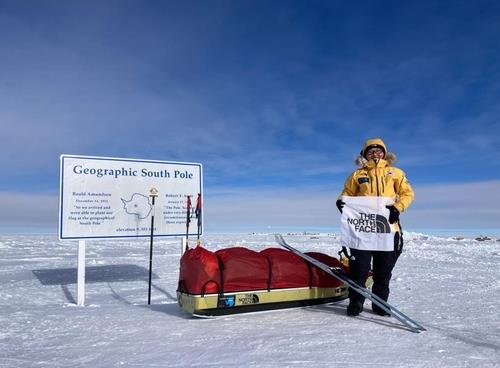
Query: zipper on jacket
point(376, 178)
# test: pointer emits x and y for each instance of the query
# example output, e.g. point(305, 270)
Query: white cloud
point(458, 205)
point(28, 212)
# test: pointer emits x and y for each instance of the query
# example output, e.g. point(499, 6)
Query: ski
point(340, 275)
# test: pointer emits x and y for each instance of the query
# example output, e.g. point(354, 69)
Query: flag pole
point(153, 193)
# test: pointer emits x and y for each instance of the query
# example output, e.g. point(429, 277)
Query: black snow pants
point(383, 264)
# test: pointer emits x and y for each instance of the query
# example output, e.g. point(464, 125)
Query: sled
point(240, 280)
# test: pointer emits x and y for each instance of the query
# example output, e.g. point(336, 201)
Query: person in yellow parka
point(376, 177)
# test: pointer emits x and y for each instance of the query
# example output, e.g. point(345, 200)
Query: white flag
point(365, 224)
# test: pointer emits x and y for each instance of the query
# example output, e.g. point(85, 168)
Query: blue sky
point(274, 99)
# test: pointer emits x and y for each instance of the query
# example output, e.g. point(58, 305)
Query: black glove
point(340, 204)
point(393, 215)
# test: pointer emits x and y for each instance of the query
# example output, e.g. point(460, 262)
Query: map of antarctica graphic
point(137, 205)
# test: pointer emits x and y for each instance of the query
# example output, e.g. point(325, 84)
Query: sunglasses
point(375, 151)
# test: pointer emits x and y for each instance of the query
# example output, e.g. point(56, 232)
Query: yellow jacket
point(379, 179)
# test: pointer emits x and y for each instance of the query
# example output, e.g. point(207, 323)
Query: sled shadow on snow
point(365, 316)
point(109, 273)
point(171, 309)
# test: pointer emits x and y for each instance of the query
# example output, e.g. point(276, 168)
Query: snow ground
point(450, 286)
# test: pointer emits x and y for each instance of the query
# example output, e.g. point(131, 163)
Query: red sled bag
point(243, 269)
point(321, 278)
point(199, 272)
point(288, 270)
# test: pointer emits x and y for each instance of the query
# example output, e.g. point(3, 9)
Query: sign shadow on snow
point(93, 274)
point(109, 273)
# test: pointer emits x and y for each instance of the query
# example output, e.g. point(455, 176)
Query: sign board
point(102, 197)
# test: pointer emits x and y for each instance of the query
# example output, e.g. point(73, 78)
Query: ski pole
point(188, 218)
point(153, 193)
point(198, 216)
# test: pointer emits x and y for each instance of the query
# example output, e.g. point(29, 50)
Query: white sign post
point(80, 295)
point(106, 198)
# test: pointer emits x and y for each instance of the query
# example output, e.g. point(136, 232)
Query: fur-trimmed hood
point(390, 157)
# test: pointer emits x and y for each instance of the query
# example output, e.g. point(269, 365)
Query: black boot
point(354, 308)
point(377, 310)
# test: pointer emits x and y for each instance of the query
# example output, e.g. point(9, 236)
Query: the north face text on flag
point(370, 223)
point(365, 225)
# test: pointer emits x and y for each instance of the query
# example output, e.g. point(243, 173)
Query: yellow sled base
point(258, 300)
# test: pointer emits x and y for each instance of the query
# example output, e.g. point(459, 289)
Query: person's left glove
point(393, 214)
